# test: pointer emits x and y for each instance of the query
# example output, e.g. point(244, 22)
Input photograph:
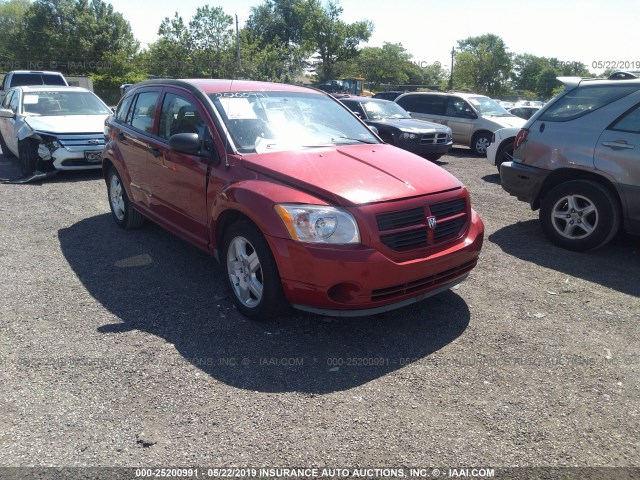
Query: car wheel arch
point(563, 175)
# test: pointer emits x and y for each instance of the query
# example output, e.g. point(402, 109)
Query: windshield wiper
point(359, 140)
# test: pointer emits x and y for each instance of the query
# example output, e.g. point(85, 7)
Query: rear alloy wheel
point(122, 211)
point(252, 273)
point(480, 143)
point(580, 215)
point(28, 157)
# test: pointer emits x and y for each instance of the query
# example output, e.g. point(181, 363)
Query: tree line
point(281, 40)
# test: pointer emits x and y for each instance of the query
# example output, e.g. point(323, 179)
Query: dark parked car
point(577, 161)
point(396, 127)
point(389, 95)
point(300, 202)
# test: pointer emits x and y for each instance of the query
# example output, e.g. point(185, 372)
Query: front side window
point(7, 100)
point(179, 115)
point(583, 100)
point(14, 101)
point(123, 109)
point(457, 107)
point(263, 121)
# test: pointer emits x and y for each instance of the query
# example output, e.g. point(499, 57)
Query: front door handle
point(155, 152)
point(618, 145)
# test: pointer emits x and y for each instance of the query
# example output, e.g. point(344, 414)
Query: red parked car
point(298, 199)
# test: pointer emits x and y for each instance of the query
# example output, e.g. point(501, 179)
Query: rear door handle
point(618, 145)
point(154, 151)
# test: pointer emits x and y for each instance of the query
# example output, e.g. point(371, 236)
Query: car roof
point(49, 88)
point(578, 81)
point(365, 100)
point(36, 71)
point(207, 85)
point(459, 94)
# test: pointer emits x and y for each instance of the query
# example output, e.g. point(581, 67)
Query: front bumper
point(426, 148)
point(523, 181)
point(73, 159)
point(359, 280)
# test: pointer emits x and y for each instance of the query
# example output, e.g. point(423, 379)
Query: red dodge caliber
point(298, 199)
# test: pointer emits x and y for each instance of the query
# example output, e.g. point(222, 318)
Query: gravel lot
point(123, 349)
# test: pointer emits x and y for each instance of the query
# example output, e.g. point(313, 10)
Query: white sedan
point(53, 128)
point(501, 147)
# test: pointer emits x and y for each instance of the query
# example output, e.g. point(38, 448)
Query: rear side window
point(24, 79)
point(123, 109)
point(428, 104)
point(629, 122)
point(144, 111)
point(583, 100)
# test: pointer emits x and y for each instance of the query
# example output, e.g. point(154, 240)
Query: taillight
point(520, 137)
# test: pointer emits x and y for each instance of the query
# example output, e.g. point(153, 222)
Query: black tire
point(504, 154)
point(433, 158)
point(5, 150)
point(255, 285)
point(122, 211)
point(580, 215)
point(480, 142)
point(28, 156)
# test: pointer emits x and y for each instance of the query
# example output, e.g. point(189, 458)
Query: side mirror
point(373, 129)
point(6, 113)
point(469, 114)
point(188, 143)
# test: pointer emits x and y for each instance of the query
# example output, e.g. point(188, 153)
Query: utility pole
point(453, 51)
point(238, 42)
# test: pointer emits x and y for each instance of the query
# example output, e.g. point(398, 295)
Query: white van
point(472, 118)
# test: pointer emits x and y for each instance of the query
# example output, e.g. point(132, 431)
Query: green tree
point(76, 34)
point(212, 41)
point(482, 64)
point(277, 28)
point(526, 68)
point(172, 54)
point(12, 14)
point(389, 64)
point(333, 40)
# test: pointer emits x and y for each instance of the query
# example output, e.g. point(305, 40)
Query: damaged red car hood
point(355, 174)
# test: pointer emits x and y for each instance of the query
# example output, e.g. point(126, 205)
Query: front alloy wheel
point(252, 273)
point(580, 215)
point(122, 211)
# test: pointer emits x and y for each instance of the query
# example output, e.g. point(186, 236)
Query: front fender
point(255, 200)
point(25, 131)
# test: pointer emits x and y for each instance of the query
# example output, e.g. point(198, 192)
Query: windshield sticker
point(30, 99)
point(238, 108)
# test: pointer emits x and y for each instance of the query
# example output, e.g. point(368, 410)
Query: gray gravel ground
point(122, 349)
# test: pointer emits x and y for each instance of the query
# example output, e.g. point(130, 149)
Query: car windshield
point(57, 103)
point(487, 106)
point(261, 121)
point(382, 110)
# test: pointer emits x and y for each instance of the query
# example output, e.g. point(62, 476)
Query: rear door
point(135, 122)
point(179, 180)
point(618, 154)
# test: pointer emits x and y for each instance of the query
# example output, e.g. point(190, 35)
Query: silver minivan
point(472, 118)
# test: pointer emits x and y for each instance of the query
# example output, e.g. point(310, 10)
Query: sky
point(587, 31)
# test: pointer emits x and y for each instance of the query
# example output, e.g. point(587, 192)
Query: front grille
point(433, 138)
point(407, 229)
point(416, 287)
point(81, 141)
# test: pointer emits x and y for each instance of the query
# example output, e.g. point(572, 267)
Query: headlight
point(408, 136)
point(318, 224)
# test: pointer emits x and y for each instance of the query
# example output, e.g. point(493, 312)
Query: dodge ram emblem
point(432, 222)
